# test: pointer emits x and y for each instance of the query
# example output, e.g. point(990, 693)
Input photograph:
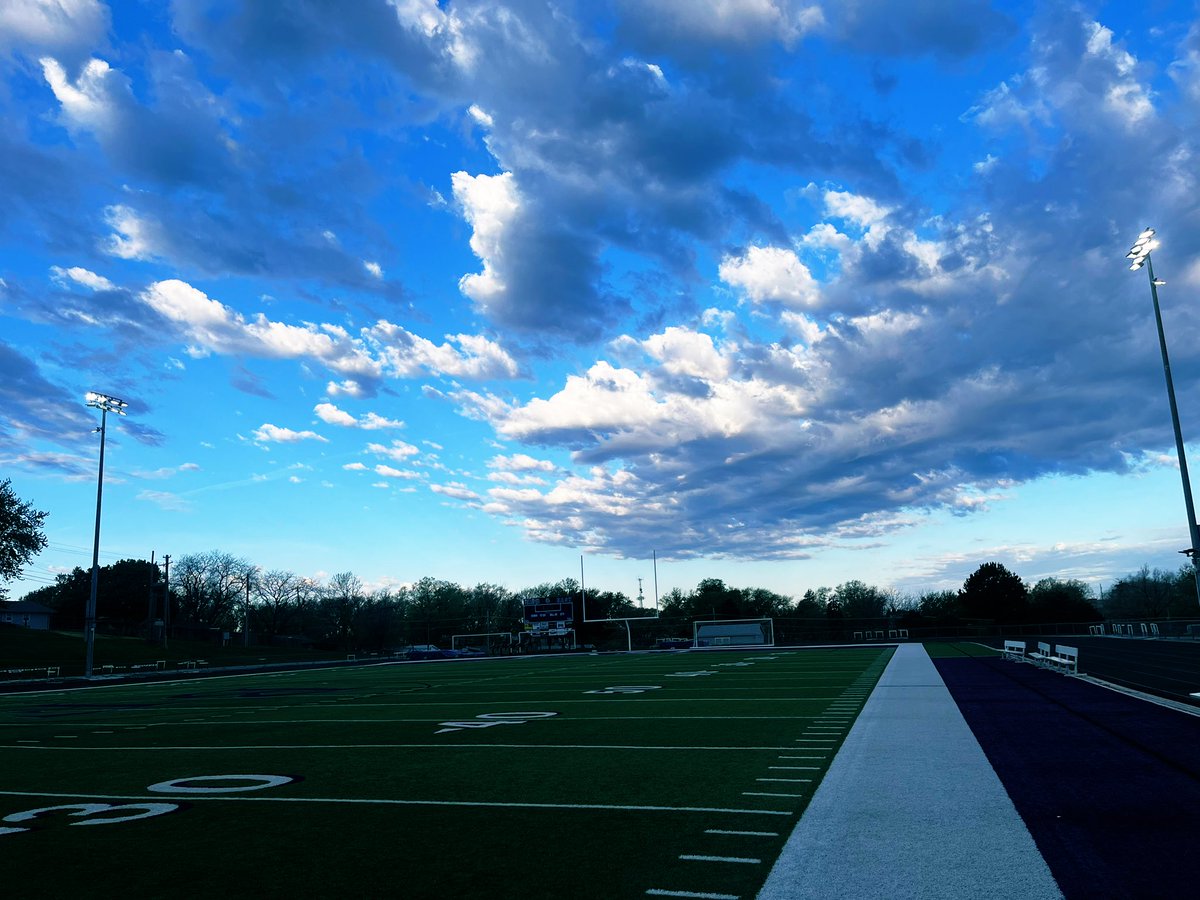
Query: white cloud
point(772, 274)
point(480, 116)
point(490, 204)
point(389, 472)
point(327, 412)
point(165, 500)
point(133, 235)
point(273, 434)
point(520, 462)
point(397, 450)
point(373, 268)
point(455, 490)
point(57, 25)
point(355, 467)
point(80, 276)
point(733, 21)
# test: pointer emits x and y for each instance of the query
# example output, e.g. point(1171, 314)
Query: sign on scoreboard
point(557, 612)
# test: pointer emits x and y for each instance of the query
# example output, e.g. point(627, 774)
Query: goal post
point(491, 642)
point(734, 633)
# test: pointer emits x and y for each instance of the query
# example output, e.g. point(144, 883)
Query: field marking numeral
point(93, 809)
point(488, 720)
point(692, 674)
point(179, 785)
point(627, 689)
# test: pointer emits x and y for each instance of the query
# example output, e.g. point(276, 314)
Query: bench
point(1014, 650)
point(1042, 656)
point(1065, 658)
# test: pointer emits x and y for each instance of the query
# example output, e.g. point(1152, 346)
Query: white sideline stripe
point(744, 833)
point(798, 768)
point(788, 780)
point(761, 794)
point(442, 746)
point(199, 798)
point(700, 895)
point(729, 859)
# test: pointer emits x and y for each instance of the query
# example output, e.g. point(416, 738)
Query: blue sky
point(786, 293)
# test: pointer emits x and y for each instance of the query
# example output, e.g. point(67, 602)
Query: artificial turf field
point(668, 774)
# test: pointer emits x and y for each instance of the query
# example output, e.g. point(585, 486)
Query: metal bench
point(1014, 650)
point(1065, 658)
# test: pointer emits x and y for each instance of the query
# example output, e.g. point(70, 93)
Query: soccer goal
point(493, 643)
point(734, 633)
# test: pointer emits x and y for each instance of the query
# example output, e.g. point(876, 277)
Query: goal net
point(493, 643)
point(734, 633)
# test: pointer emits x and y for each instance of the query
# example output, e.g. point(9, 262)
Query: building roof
point(24, 606)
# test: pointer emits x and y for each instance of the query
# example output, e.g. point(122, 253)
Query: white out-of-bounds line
point(700, 895)
point(442, 746)
point(787, 780)
point(747, 860)
point(364, 801)
point(762, 794)
point(742, 833)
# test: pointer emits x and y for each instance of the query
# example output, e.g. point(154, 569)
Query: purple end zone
point(1108, 785)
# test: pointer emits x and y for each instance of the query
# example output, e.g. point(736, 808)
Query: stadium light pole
point(1139, 255)
point(105, 404)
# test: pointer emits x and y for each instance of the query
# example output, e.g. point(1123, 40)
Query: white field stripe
point(788, 780)
point(497, 804)
point(726, 859)
point(700, 895)
point(797, 768)
point(822, 756)
point(743, 833)
point(761, 794)
point(443, 746)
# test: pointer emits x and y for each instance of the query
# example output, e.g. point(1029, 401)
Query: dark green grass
point(599, 800)
point(22, 648)
point(939, 650)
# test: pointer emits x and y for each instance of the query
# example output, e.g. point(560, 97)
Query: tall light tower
point(1139, 255)
point(105, 404)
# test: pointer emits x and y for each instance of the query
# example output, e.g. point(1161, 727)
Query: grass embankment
point(22, 648)
point(941, 649)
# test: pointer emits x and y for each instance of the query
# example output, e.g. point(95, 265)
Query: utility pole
point(246, 628)
point(150, 601)
point(166, 596)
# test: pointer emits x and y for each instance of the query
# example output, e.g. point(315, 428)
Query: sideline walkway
point(910, 808)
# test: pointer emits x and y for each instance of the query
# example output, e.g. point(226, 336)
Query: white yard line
point(362, 801)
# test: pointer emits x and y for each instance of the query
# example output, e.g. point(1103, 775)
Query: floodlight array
point(106, 402)
point(1141, 249)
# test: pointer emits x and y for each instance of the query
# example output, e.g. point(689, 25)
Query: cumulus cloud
point(379, 351)
point(771, 274)
point(327, 412)
point(273, 434)
point(63, 26)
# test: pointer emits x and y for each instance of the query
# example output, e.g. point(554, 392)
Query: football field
point(659, 774)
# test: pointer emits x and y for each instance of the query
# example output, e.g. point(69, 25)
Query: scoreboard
point(547, 611)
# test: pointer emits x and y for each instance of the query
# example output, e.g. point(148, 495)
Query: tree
point(21, 536)
point(993, 592)
point(1152, 594)
point(861, 601)
point(1052, 600)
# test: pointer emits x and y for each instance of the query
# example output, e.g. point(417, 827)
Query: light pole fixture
point(1139, 255)
point(105, 404)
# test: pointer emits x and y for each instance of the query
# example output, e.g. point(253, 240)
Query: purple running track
point(1108, 784)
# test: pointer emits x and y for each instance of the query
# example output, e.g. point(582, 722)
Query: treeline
point(216, 592)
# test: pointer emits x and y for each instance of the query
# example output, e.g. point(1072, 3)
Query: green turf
point(938, 650)
point(22, 648)
point(394, 795)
